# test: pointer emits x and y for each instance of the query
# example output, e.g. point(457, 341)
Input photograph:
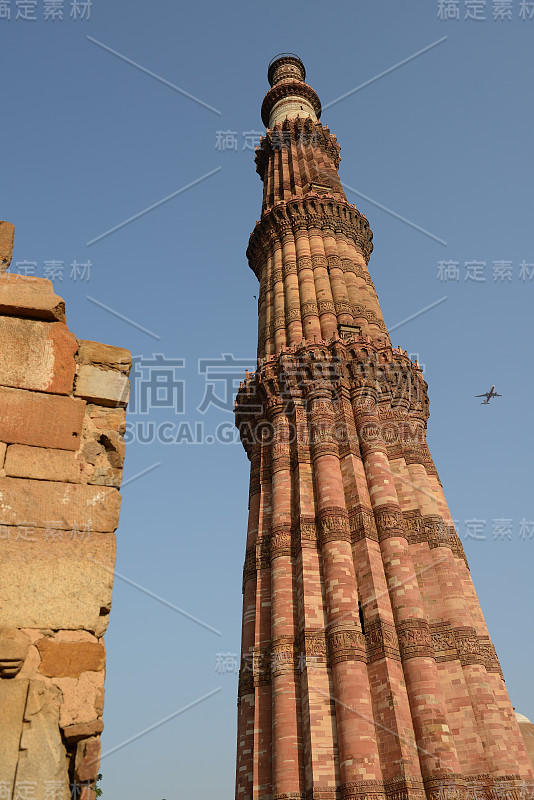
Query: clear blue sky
point(444, 141)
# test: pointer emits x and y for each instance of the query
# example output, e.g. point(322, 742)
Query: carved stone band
point(363, 790)
point(445, 787)
point(316, 649)
point(281, 541)
point(381, 640)
point(414, 639)
point(333, 525)
point(312, 646)
point(405, 789)
point(390, 523)
point(283, 656)
point(362, 525)
point(346, 645)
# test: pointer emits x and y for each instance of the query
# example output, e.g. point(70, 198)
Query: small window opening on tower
point(362, 621)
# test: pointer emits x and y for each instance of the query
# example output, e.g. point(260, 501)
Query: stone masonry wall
point(62, 420)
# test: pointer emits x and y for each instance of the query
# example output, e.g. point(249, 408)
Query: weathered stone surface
point(26, 296)
point(78, 597)
point(87, 760)
point(3, 448)
point(104, 386)
point(12, 704)
point(14, 647)
point(107, 476)
point(61, 506)
point(34, 634)
point(115, 448)
point(81, 697)
point(42, 463)
point(103, 453)
point(102, 447)
point(42, 420)
point(73, 733)
point(104, 355)
point(43, 755)
point(91, 450)
point(107, 418)
point(99, 701)
point(7, 238)
point(37, 355)
point(70, 659)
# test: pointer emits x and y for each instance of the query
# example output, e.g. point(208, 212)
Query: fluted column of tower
point(367, 669)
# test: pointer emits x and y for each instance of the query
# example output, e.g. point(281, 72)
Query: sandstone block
point(107, 418)
point(42, 464)
point(70, 636)
point(87, 760)
point(70, 659)
point(104, 386)
point(37, 355)
point(7, 239)
point(26, 296)
point(106, 476)
point(3, 448)
point(40, 419)
point(84, 730)
point(52, 579)
point(104, 355)
point(47, 504)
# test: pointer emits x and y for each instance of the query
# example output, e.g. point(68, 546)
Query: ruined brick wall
point(62, 419)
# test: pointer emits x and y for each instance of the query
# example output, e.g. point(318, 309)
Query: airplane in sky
point(488, 396)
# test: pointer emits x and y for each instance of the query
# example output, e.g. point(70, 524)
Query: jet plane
point(488, 396)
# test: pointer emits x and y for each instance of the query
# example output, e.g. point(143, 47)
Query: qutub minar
point(367, 669)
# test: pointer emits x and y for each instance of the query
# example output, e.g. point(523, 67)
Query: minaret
point(367, 669)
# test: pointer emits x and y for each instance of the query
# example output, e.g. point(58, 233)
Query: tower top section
point(286, 66)
point(289, 95)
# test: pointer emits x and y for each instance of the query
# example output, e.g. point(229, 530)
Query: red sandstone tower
point(367, 669)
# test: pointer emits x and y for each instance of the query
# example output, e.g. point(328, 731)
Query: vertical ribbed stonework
point(367, 669)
